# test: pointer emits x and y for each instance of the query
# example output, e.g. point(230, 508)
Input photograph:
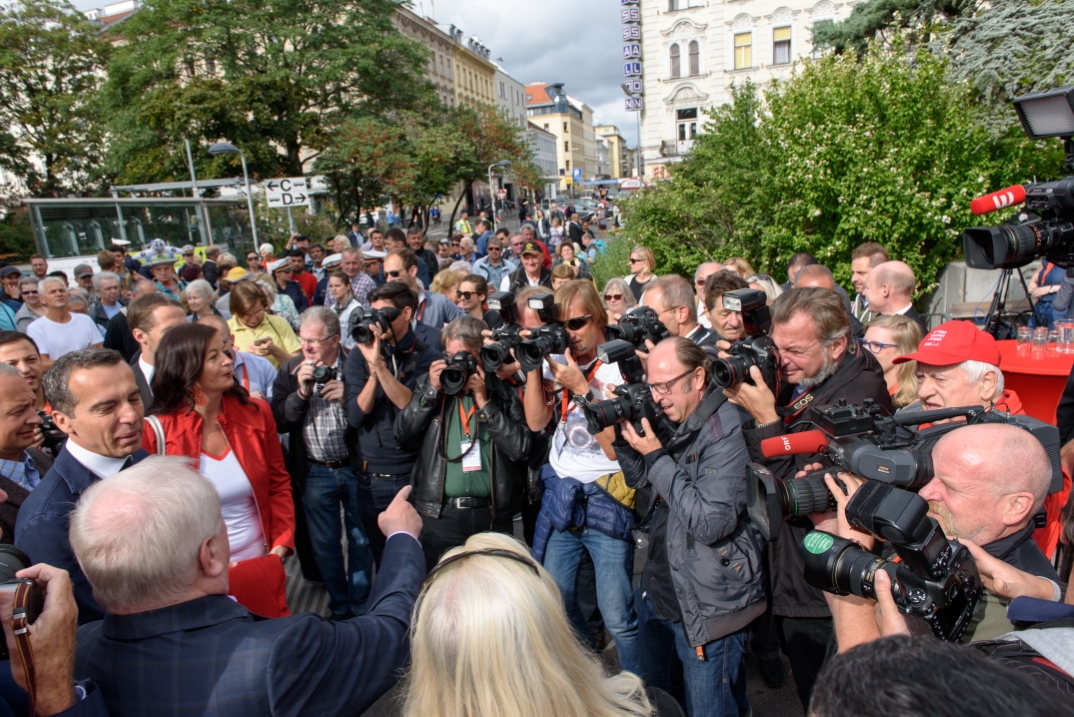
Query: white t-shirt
point(575, 453)
point(237, 504)
point(58, 339)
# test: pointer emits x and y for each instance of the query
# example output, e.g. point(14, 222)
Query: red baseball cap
point(954, 342)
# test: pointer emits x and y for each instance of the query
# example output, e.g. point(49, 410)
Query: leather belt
point(467, 502)
point(330, 464)
point(379, 476)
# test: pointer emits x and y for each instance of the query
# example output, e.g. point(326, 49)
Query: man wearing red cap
point(958, 365)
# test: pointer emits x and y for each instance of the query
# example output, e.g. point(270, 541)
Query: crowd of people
point(177, 428)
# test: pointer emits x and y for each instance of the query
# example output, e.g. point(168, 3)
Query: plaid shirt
point(325, 423)
point(361, 285)
point(21, 471)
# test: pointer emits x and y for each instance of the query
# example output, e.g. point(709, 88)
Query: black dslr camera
point(459, 369)
point(935, 580)
point(504, 338)
point(860, 440)
point(381, 318)
point(757, 349)
point(633, 400)
point(12, 560)
point(636, 325)
point(552, 338)
point(324, 374)
point(54, 437)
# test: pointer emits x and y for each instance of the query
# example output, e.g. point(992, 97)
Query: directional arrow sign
point(291, 191)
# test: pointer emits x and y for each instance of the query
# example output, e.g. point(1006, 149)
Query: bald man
point(977, 495)
point(820, 276)
point(889, 289)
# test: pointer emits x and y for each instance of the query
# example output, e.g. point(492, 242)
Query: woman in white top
point(339, 286)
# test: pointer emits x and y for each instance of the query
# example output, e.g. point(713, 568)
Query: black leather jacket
point(505, 420)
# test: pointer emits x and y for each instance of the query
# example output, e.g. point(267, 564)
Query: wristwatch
point(581, 400)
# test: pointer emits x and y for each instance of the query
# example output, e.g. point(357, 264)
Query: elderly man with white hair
point(958, 365)
point(889, 289)
point(154, 546)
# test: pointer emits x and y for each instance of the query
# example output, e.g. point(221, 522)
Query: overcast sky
point(576, 42)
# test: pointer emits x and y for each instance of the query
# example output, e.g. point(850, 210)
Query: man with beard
point(820, 363)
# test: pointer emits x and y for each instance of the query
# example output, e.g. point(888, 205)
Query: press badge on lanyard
point(470, 447)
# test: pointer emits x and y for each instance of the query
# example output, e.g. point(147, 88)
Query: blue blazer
point(41, 528)
point(210, 657)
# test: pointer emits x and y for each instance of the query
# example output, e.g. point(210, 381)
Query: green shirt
point(459, 483)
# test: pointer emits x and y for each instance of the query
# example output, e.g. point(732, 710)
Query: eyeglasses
point(495, 248)
point(29, 291)
point(665, 387)
point(876, 346)
point(613, 297)
point(252, 258)
point(314, 342)
point(465, 294)
point(632, 260)
point(395, 274)
point(491, 552)
point(578, 322)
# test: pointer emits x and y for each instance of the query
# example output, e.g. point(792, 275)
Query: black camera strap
point(20, 629)
point(833, 384)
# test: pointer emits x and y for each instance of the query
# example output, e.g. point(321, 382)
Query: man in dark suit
point(149, 317)
point(96, 402)
point(172, 641)
point(118, 334)
point(889, 289)
point(208, 267)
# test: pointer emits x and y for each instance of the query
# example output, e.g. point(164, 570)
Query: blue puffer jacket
point(568, 503)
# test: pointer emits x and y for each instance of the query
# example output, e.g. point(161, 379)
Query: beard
point(821, 376)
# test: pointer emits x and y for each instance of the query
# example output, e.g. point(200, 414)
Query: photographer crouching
point(704, 557)
point(471, 472)
point(818, 363)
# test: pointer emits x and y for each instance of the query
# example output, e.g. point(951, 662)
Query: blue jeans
point(613, 563)
point(326, 489)
point(375, 493)
point(713, 688)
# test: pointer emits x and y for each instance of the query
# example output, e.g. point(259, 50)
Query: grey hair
point(623, 287)
point(466, 329)
point(974, 370)
point(29, 280)
point(77, 299)
point(268, 288)
point(7, 369)
point(676, 292)
point(324, 316)
point(200, 287)
point(103, 276)
point(137, 535)
point(56, 381)
point(467, 242)
point(50, 280)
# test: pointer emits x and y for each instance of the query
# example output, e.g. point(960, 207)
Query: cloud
point(576, 42)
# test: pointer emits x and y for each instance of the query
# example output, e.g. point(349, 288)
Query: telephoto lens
point(771, 500)
point(842, 567)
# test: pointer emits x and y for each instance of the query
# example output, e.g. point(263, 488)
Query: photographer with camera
point(471, 472)
point(323, 460)
point(703, 568)
point(587, 506)
point(673, 301)
point(819, 363)
point(380, 377)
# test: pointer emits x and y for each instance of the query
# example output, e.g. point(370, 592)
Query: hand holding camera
point(642, 444)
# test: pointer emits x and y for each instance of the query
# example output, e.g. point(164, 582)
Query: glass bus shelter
point(83, 227)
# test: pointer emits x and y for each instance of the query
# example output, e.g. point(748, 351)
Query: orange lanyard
point(465, 418)
point(567, 406)
point(245, 378)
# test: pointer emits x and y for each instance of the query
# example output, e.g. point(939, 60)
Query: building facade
point(619, 165)
point(440, 69)
point(693, 51)
point(475, 75)
point(571, 121)
point(543, 144)
point(511, 98)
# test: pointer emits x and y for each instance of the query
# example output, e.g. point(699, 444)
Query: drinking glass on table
point(1040, 342)
point(1066, 336)
point(1025, 340)
point(1053, 342)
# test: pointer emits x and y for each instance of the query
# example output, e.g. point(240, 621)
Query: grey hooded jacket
point(715, 552)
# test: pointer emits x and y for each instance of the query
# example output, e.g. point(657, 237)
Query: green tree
point(50, 60)
point(276, 77)
point(879, 19)
point(845, 151)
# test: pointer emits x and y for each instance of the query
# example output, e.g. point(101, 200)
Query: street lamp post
point(492, 195)
point(228, 148)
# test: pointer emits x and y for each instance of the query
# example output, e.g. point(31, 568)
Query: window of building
point(546, 125)
point(566, 127)
point(566, 146)
point(686, 124)
point(743, 50)
point(695, 58)
point(781, 46)
point(210, 66)
point(673, 5)
point(503, 90)
point(675, 61)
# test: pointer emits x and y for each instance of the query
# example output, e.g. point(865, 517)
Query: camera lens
point(809, 494)
point(12, 560)
point(841, 567)
point(731, 370)
point(362, 334)
point(453, 380)
point(601, 414)
point(493, 356)
point(1006, 245)
point(531, 353)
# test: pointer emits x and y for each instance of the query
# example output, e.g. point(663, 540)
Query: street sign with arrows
point(293, 191)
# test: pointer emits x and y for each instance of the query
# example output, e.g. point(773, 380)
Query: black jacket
point(209, 271)
point(118, 336)
point(858, 377)
point(505, 421)
point(143, 384)
point(519, 280)
point(289, 409)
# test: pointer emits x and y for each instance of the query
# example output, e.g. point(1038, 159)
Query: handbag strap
point(158, 430)
point(20, 628)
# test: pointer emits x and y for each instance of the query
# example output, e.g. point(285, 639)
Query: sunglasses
point(613, 297)
point(578, 322)
point(395, 274)
point(253, 258)
point(465, 294)
point(495, 248)
point(632, 260)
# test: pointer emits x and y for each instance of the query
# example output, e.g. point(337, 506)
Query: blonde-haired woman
point(888, 338)
point(740, 265)
point(508, 651)
point(642, 266)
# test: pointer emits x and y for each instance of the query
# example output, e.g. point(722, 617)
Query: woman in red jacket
point(206, 415)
